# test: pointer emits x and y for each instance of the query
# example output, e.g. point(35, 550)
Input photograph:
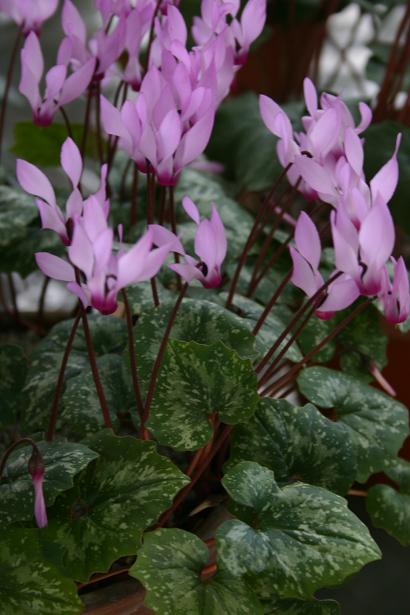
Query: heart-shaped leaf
point(298, 538)
point(297, 443)
point(377, 423)
point(170, 564)
point(118, 496)
point(195, 382)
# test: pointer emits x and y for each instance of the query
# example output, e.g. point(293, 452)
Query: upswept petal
point(71, 161)
point(307, 240)
point(33, 181)
point(55, 267)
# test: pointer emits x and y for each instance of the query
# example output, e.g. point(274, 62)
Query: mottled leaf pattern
point(102, 518)
point(28, 584)
point(196, 381)
point(17, 211)
point(377, 423)
point(303, 607)
point(297, 443)
point(62, 461)
point(169, 565)
point(300, 538)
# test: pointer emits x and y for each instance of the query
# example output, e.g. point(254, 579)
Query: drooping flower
point(210, 246)
point(61, 88)
point(306, 252)
point(37, 470)
point(395, 297)
point(27, 14)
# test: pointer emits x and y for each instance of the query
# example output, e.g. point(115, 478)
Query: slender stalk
point(276, 386)
point(13, 295)
point(253, 234)
point(133, 355)
point(174, 226)
point(86, 121)
point(134, 196)
point(150, 220)
point(11, 448)
point(93, 363)
point(42, 299)
point(124, 178)
point(151, 35)
point(203, 452)
point(60, 380)
point(311, 301)
point(275, 256)
point(9, 79)
point(272, 302)
point(160, 356)
point(98, 124)
point(162, 199)
point(201, 469)
point(67, 123)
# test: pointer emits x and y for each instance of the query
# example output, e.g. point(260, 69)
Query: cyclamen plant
point(177, 427)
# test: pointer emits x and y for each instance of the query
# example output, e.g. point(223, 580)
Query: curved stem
point(60, 380)
point(11, 449)
point(9, 79)
point(42, 299)
point(67, 122)
point(160, 356)
point(98, 124)
point(93, 363)
point(86, 121)
point(150, 220)
point(134, 196)
point(272, 302)
point(132, 355)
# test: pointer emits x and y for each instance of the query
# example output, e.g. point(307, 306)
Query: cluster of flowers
point(95, 271)
point(326, 162)
point(170, 122)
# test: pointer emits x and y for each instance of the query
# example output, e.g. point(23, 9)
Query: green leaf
point(19, 255)
point(62, 461)
point(199, 321)
point(30, 585)
point(196, 381)
point(81, 412)
point(302, 607)
point(297, 444)
point(13, 370)
point(379, 146)
point(41, 145)
point(17, 212)
point(297, 539)
point(377, 423)
point(113, 501)
point(311, 336)
point(170, 564)
point(389, 508)
point(109, 336)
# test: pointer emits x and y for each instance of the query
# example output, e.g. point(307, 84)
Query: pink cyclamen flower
point(29, 15)
point(36, 470)
point(33, 181)
point(340, 293)
point(210, 246)
point(395, 297)
point(61, 88)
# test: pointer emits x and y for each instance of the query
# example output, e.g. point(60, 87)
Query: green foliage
point(297, 444)
point(62, 462)
point(195, 382)
point(170, 564)
point(103, 516)
point(13, 369)
point(29, 584)
point(292, 540)
point(377, 423)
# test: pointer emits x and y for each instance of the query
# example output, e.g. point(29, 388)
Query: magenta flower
point(27, 14)
point(341, 293)
point(210, 246)
point(61, 88)
point(36, 470)
point(395, 298)
point(33, 181)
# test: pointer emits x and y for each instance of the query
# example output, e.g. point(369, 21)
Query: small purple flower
point(61, 88)
point(210, 246)
point(395, 297)
point(29, 15)
point(37, 470)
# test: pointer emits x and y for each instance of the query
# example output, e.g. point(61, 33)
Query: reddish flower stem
point(150, 220)
point(134, 196)
point(98, 124)
point(133, 355)
point(67, 123)
point(151, 35)
point(86, 122)
point(158, 361)
point(272, 302)
point(173, 217)
point(60, 380)
point(275, 256)
point(11, 448)
point(9, 79)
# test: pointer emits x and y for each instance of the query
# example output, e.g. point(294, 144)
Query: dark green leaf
point(118, 496)
point(196, 381)
point(300, 538)
point(297, 444)
point(13, 370)
point(30, 585)
point(62, 462)
point(170, 564)
point(377, 423)
point(17, 212)
point(302, 607)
